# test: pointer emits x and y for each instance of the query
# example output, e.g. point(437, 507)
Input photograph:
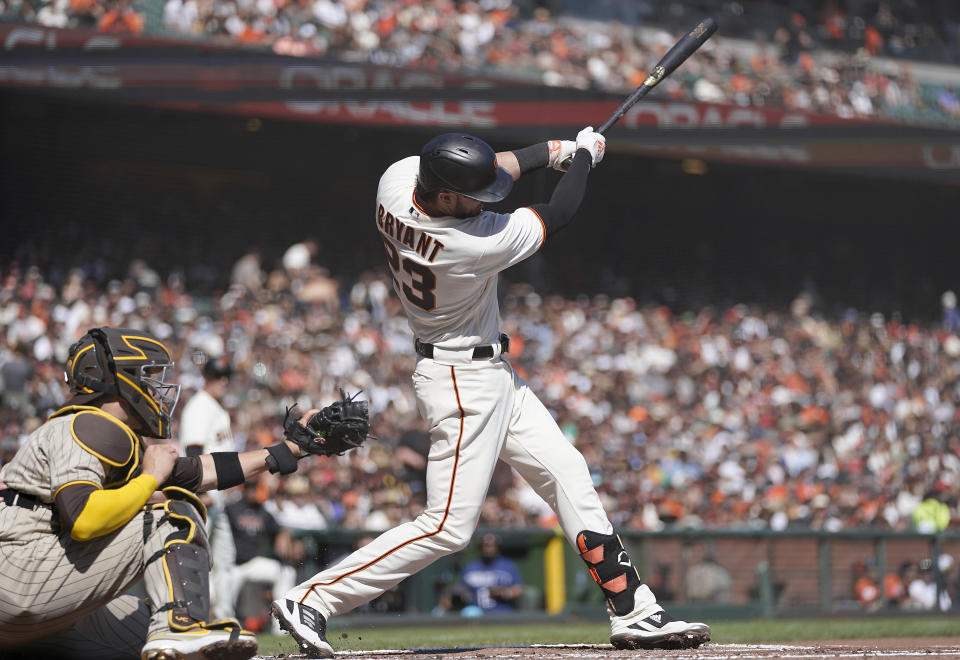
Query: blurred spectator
point(295, 507)
point(865, 587)
point(494, 580)
point(660, 583)
point(931, 515)
point(745, 416)
point(804, 56)
point(16, 372)
point(247, 272)
point(895, 586)
point(951, 315)
point(923, 589)
point(121, 17)
point(706, 581)
point(265, 552)
point(298, 256)
point(453, 598)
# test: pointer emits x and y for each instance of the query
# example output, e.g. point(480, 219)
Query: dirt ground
point(900, 648)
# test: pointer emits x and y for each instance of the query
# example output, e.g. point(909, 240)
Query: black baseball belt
point(482, 352)
point(13, 497)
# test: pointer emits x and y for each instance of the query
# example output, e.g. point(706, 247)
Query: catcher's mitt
point(339, 427)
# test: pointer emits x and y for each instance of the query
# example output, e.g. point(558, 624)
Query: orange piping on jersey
point(542, 225)
point(413, 197)
point(446, 513)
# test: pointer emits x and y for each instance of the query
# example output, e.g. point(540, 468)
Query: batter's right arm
point(568, 194)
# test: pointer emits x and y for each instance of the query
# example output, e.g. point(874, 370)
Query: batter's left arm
point(537, 156)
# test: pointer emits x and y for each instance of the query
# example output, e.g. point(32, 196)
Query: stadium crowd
point(716, 418)
point(809, 56)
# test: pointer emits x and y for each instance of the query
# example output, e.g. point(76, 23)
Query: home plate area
point(874, 648)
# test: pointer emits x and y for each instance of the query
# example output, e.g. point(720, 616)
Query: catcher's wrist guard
point(339, 427)
point(281, 459)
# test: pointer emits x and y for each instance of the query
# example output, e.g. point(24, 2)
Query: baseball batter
point(445, 253)
point(79, 523)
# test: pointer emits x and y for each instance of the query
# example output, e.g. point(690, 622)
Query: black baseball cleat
point(649, 626)
point(306, 625)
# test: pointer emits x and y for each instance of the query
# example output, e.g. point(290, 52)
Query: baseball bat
point(677, 55)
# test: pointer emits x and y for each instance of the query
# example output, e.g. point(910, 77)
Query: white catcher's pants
point(478, 411)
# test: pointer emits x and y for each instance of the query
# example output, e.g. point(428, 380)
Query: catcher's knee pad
point(611, 568)
point(178, 494)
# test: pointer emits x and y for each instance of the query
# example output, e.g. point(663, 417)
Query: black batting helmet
point(465, 165)
point(130, 364)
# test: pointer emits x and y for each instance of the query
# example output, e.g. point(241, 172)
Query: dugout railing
point(709, 574)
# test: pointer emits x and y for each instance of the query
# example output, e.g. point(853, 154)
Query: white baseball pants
point(478, 411)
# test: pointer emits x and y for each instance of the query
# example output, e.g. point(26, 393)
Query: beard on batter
point(466, 207)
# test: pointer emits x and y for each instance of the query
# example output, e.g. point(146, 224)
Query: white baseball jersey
point(445, 269)
point(204, 422)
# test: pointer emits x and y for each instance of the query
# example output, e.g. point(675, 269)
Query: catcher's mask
point(129, 364)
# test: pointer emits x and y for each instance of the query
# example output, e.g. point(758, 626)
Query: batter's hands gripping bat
point(684, 48)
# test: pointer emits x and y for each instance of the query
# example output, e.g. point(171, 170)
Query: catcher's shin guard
point(177, 579)
point(177, 573)
point(611, 568)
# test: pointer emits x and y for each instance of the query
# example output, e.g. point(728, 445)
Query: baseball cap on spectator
point(218, 367)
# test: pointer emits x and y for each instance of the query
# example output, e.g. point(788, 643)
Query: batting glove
point(593, 142)
point(561, 153)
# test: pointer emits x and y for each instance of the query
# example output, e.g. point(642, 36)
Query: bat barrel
point(684, 48)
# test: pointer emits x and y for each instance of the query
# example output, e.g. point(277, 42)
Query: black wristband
point(229, 470)
point(281, 459)
point(533, 157)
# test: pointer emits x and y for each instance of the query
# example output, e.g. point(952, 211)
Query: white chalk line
point(708, 652)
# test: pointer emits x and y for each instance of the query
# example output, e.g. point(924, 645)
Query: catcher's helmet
point(130, 364)
point(465, 165)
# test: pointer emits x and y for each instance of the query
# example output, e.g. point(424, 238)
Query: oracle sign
point(675, 114)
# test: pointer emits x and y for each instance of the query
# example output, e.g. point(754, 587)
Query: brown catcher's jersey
point(76, 445)
point(445, 269)
point(77, 450)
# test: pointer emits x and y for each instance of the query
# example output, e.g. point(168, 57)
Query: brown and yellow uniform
point(76, 531)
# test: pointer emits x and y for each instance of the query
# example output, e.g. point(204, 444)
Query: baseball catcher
point(78, 525)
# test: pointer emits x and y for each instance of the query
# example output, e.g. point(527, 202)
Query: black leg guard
point(611, 568)
point(189, 569)
point(177, 575)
